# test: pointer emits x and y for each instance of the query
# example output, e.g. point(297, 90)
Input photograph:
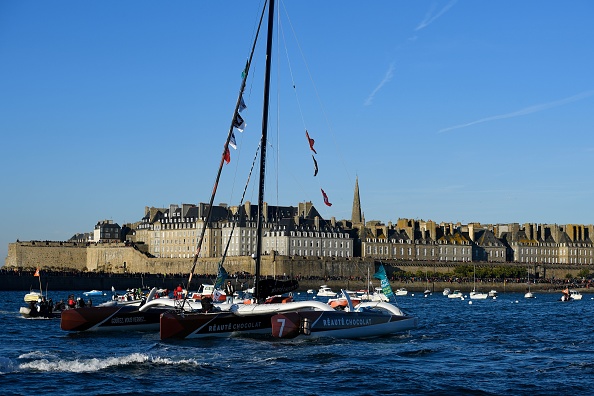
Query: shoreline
point(11, 281)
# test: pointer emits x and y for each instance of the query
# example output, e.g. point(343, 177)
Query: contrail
point(387, 78)
point(525, 111)
point(429, 18)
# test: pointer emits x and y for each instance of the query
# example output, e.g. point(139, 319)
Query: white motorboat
point(94, 293)
point(456, 294)
point(493, 293)
point(32, 296)
point(446, 291)
point(576, 295)
point(326, 291)
point(208, 290)
point(401, 292)
point(377, 295)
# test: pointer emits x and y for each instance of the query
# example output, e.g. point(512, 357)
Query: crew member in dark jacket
point(229, 290)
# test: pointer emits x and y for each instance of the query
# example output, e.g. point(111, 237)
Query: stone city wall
point(57, 255)
point(118, 258)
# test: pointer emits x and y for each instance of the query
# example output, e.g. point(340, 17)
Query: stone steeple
point(356, 216)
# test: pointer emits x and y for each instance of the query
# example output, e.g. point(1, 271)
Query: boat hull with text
point(239, 320)
point(113, 316)
point(110, 318)
point(365, 321)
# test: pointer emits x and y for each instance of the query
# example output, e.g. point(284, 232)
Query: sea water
point(509, 345)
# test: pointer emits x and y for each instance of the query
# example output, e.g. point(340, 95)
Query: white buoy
point(469, 302)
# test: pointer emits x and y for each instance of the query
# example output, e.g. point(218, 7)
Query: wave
point(98, 364)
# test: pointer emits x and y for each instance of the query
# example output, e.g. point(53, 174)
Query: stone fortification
point(122, 258)
point(119, 258)
point(47, 254)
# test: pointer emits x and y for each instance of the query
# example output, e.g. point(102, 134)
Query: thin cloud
point(525, 111)
point(387, 78)
point(432, 16)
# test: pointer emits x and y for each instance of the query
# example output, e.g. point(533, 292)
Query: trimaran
point(284, 320)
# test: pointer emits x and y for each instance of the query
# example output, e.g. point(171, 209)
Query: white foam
point(92, 365)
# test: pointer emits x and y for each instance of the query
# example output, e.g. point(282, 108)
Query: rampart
point(119, 258)
point(47, 254)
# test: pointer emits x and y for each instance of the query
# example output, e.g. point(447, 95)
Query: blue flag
point(221, 276)
point(381, 275)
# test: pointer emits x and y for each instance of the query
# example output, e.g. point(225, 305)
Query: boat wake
point(132, 361)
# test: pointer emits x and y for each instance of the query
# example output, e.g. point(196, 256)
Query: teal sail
point(221, 276)
point(385, 284)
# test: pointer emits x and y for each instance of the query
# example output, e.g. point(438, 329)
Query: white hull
point(529, 295)
point(257, 309)
point(575, 295)
point(478, 296)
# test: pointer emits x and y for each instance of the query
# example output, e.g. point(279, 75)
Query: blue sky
point(445, 110)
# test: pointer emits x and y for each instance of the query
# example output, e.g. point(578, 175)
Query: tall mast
point(263, 149)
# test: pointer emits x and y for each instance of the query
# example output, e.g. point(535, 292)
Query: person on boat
point(178, 293)
point(206, 302)
point(60, 306)
point(71, 302)
point(229, 290)
point(43, 309)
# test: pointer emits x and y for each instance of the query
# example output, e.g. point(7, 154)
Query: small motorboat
point(456, 294)
point(93, 293)
point(576, 295)
point(206, 290)
point(326, 291)
point(377, 295)
point(493, 293)
point(401, 292)
point(446, 291)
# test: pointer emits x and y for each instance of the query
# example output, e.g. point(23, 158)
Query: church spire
point(356, 217)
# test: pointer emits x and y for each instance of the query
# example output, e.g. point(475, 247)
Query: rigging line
point(292, 77)
point(294, 85)
point(247, 99)
point(319, 99)
point(222, 161)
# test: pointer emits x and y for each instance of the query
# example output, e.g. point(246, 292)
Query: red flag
point(311, 142)
point(227, 155)
point(36, 272)
point(326, 198)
